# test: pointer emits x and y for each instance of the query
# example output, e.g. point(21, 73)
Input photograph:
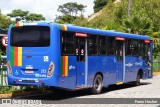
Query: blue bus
point(73, 57)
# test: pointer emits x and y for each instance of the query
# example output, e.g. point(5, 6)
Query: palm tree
point(136, 25)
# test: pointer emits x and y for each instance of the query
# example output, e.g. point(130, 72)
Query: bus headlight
point(9, 69)
point(50, 69)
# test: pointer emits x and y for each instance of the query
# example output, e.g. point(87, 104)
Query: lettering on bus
point(81, 34)
point(138, 63)
point(129, 64)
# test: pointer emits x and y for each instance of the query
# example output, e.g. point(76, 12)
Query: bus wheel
point(137, 82)
point(97, 85)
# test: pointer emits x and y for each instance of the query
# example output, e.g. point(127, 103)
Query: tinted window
point(132, 46)
point(30, 36)
point(93, 45)
point(67, 40)
point(110, 43)
point(141, 48)
point(102, 45)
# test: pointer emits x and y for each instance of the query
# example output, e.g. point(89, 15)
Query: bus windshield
point(30, 36)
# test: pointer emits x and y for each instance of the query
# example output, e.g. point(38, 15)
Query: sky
point(48, 8)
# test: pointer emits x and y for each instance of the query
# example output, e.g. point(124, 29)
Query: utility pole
point(129, 8)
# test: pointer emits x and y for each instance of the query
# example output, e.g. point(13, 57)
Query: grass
point(23, 89)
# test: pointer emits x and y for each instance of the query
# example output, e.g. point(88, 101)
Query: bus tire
point(97, 84)
point(137, 82)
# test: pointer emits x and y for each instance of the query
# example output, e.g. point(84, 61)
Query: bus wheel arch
point(139, 76)
point(140, 72)
point(97, 84)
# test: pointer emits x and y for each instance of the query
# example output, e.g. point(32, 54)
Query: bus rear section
point(29, 60)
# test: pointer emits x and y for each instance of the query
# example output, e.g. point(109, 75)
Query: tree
point(69, 12)
point(4, 22)
point(99, 4)
point(18, 14)
point(34, 17)
point(71, 8)
point(112, 26)
point(81, 21)
point(136, 25)
point(65, 19)
point(0, 12)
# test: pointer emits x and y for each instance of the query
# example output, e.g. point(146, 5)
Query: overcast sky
point(47, 8)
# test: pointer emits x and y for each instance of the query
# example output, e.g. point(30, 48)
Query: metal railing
point(3, 75)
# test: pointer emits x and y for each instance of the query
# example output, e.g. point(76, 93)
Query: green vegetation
point(34, 17)
point(136, 25)
point(141, 10)
point(99, 4)
point(23, 89)
point(19, 15)
point(6, 90)
point(70, 13)
point(4, 21)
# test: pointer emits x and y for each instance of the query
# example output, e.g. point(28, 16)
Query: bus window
point(30, 36)
point(141, 48)
point(110, 45)
point(67, 39)
point(102, 45)
point(132, 47)
point(147, 51)
point(128, 50)
point(93, 45)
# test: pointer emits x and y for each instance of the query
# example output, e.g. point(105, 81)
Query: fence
point(3, 76)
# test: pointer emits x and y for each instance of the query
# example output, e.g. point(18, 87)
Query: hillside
point(98, 13)
point(114, 14)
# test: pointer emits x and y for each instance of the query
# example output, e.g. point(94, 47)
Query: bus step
point(119, 83)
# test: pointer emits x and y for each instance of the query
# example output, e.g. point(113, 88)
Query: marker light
point(50, 69)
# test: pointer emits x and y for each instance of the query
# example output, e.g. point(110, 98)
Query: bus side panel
point(145, 70)
point(103, 64)
point(54, 55)
point(68, 73)
point(133, 64)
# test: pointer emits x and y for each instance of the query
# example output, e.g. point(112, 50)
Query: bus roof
point(105, 32)
point(96, 31)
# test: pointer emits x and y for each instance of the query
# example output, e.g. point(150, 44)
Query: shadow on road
point(62, 95)
point(124, 86)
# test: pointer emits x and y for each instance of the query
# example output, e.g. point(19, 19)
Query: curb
point(156, 73)
point(6, 95)
point(9, 95)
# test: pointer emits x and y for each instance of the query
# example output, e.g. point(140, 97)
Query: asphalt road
point(149, 88)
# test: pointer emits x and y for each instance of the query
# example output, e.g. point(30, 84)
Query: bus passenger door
point(81, 60)
point(148, 57)
point(150, 63)
point(119, 59)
